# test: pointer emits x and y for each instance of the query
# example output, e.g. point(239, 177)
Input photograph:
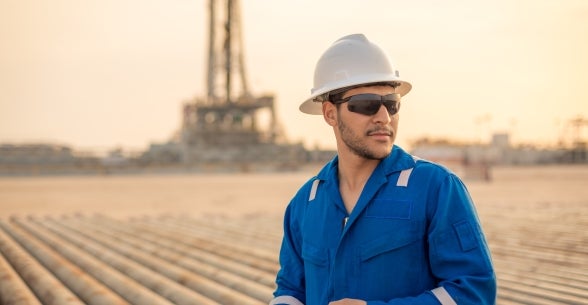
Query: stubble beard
point(357, 145)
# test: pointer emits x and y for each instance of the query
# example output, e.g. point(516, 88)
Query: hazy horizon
point(105, 74)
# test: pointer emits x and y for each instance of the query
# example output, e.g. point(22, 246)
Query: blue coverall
point(413, 238)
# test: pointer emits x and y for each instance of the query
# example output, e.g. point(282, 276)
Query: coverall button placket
point(343, 258)
point(337, 201)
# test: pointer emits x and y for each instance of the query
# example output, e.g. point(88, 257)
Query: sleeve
point(458, 254)
point(290, 278)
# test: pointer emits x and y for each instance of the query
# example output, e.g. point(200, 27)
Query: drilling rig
point(229, 125)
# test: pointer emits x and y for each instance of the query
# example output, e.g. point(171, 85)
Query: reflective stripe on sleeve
point(443, 296)
point(285, 299)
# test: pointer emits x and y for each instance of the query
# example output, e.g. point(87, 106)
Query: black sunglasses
point(369, 104)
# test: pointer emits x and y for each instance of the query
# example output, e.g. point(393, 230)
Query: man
point(377, 225)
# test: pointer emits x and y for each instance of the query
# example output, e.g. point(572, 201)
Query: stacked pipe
point(168, 260)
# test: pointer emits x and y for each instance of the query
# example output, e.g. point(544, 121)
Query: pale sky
point(97, 74)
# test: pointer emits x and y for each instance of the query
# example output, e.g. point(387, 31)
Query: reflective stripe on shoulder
point(286, 299)
point(443, 296)
point(403, 177)
point(315, 184)
point(405, 174)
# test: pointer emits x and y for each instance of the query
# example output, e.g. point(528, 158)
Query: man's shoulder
point(303, 192)
point(429, 165)
point(433, 170)
point(401, 160)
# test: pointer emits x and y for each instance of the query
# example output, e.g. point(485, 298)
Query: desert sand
point(241, 194)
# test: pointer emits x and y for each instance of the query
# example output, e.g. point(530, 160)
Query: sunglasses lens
point(392, 107)
point(369, 104)
point(367, 107)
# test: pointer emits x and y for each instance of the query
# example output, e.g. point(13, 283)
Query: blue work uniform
point(413, 238)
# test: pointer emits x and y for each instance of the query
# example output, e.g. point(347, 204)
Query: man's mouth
point(380, 132)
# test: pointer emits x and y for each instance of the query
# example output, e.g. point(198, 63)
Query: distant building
point(468, 161)
point(40, 158)
point(498, 152)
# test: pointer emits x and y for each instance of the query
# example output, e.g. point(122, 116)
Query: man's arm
point(290, 279)
point(458, 254)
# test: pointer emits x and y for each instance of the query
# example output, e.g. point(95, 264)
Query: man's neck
point(354, 172)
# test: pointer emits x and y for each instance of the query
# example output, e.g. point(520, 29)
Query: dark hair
point(337, 95)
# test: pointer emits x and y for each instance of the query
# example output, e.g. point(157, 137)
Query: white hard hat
point(350, 61)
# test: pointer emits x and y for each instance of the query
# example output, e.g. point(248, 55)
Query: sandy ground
point(120, 196)
point(245, 194)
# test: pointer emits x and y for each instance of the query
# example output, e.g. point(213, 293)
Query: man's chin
point(380, 155)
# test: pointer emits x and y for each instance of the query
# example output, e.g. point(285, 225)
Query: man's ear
point(330, 113)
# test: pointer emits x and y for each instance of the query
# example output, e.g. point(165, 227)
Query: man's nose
point(382, 116)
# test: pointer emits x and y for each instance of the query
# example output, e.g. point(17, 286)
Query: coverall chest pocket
point(395, 258)
point(385, 244)
point(316, 265)
point(390, 209)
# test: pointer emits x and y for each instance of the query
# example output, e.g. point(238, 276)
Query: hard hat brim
point(312, 106)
